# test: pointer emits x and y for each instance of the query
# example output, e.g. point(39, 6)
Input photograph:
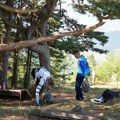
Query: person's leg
point(79, 80)
point(77, 87)
point(116, 94)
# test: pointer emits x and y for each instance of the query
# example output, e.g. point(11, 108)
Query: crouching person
point(43, 80)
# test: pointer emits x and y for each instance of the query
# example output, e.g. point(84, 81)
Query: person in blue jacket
point(82, 71)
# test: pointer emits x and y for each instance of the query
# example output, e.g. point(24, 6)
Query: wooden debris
point(63, 115)
point(21, 93)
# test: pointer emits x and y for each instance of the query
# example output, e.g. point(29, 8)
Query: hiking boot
point(98, 100)
point(80, 99)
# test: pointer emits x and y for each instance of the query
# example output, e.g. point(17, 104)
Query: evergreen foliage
point(110, 70)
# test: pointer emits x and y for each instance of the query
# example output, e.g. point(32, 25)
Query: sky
point(89, 20)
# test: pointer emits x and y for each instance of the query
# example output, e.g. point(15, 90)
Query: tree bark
point(20, 11)
point(15, 70)
point(28, 66)
point(40, 25)
point(3, 67)
point(4, 56)
point(44, 57)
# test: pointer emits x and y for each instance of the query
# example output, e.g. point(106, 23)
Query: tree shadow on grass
point(14, 111)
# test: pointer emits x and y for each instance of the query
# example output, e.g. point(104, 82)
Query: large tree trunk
point(42, 50)
point(28, 66)
point(44, 57)
point(15, 63)
point(4, 56)
point(15, 70)
point(3, 68)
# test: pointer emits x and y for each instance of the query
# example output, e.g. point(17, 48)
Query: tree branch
point(106, 17)
point(21, 11)
point(28, 43)
point(43, 17)
point(38, 48)
point(12, 24)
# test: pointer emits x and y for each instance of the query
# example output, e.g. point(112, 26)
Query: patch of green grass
point(110, 115)
point(67, 88)
point(108, 109)
point(14, 110)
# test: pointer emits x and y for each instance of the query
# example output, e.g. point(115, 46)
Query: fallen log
point(63, 115)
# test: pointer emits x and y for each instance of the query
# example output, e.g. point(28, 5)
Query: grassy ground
point(11, 109)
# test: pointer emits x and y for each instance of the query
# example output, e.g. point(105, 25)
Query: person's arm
point(40, 85)
point(85, 68)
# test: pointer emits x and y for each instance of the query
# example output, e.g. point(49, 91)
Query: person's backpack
point(85, 85)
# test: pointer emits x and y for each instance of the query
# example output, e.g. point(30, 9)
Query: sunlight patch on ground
point(109, 85)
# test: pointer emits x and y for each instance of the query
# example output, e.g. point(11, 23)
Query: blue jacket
point(83, 67)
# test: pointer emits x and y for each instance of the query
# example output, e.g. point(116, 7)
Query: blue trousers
point(78, 89)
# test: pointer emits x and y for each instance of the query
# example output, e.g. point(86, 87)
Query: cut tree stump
point(63, 115)
point(21, 93)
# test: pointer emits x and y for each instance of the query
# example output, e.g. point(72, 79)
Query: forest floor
point(13, 109)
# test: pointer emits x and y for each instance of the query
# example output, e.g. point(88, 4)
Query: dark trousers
point(78, 89)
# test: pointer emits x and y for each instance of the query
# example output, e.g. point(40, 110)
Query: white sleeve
point(39, 87)
point(42, 82)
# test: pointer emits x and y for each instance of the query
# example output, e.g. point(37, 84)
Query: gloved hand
point(37, 102)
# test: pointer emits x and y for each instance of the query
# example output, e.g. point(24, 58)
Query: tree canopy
point(30, 11)
point(110, 69)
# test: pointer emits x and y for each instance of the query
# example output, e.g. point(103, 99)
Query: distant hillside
point(114, 40)
point(112, 45)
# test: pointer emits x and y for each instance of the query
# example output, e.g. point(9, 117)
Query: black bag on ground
point(109, 95)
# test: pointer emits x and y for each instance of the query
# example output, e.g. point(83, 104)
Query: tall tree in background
point(4, 56)
point(110, 69)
